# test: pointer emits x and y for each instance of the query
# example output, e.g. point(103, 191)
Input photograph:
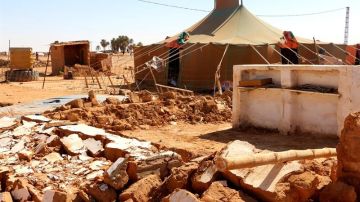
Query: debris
point(204, 176)
point(116, 175)
point(5, 197)
point(93, 146)
point(338, 191)
point(73, 144)
point(180, 195)
point(25, 155)
point(53, 157)
point(218, 192)
point(21, 195)
point(54, 196)
point(141, 190)
point(102, 192)
point(180, 177)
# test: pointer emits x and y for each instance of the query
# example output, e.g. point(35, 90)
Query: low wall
point(289, 109)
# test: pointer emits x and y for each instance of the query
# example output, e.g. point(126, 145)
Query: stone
point(54, 196)
point(112, 100)
point(104, 120)
point(146, 96)
point(204, 176)
point(347, 152)
point(77, 103)
point(113, 151)
point(41, 149)
point(181, 195)
point(53, 157)
point(5, 197)
point(116, 176)
point(53, 141)
point(25, 155)
point(94, 147)
point(73, 116)
point(21, 195)
point(218, 192)
point(304, 184)
point(73, 144)
point(102, 192)
point(180, 177)
point(141, 190)
point(338, 191)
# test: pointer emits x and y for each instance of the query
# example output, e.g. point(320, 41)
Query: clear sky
point(37, 23)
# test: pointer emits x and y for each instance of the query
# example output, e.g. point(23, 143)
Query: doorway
point(174, 67)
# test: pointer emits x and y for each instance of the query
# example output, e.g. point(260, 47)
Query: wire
point(173, 6)
point(283, 15)
point(304, 14)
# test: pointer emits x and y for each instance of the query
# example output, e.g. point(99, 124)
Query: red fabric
point(173, 44)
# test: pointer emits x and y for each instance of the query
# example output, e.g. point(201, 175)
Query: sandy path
point(204, 139)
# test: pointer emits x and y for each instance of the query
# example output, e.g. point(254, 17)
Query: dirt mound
point(149, 111)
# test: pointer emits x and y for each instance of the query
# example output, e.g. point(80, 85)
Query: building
point(68, 54)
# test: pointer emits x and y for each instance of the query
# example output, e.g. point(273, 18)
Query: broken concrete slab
point(180, 195)
point(260, 180)
point(116, 176)
point(73, 144)
point(141, 190)
point(160, 164)
point(35, 118)
point(7, 123)
point(94, 147)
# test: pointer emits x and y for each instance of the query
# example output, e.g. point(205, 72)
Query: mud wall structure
point(287, 107)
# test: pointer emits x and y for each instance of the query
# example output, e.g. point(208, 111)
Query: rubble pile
point(145, 110)
point(47, 160)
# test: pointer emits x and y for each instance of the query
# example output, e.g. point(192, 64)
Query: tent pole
point(217, 73)
point(259, 54)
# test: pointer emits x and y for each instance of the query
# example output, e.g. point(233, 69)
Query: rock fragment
point(116, 176)
point(73, 144)
point(141, 190)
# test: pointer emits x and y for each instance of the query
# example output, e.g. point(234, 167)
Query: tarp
point(235, 25)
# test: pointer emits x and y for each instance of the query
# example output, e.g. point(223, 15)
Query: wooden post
point(316, 51)
point(217, 73)
point(253, 160)
point(47, 63)
point(153, 76)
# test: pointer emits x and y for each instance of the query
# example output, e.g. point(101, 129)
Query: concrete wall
point(296, 111)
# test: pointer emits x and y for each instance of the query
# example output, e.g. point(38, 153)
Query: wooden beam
point(255, 82)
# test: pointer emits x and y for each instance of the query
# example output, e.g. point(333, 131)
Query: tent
point(227, 36)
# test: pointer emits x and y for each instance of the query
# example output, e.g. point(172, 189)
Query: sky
point(37, 23)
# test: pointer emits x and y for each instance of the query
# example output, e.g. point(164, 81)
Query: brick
point(141, 190)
